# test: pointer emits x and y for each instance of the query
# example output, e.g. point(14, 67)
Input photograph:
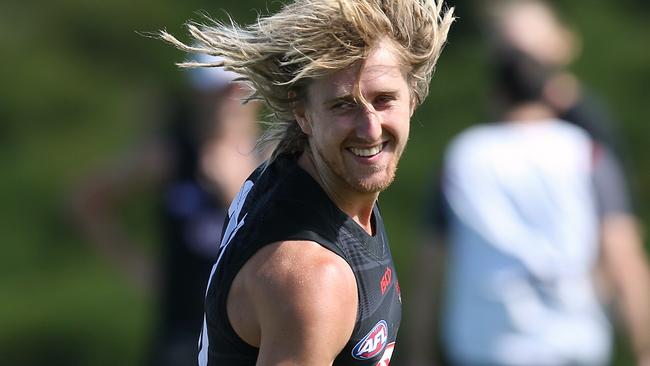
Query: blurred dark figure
point(198, 164)
point(529, 236)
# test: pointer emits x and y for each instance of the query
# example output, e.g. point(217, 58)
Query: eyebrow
point(349, 97)
point(340, 98)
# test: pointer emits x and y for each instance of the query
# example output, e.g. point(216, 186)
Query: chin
point(373, 184)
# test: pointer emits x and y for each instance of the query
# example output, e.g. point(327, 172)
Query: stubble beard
point(361, 184)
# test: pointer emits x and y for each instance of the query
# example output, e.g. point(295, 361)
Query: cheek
point(333, 129)
point(400, 122)
point(322, 134)
point(407, 128)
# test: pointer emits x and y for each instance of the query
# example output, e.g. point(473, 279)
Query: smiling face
point(357, 123)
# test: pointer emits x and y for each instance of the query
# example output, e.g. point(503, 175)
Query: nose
point(369, 125)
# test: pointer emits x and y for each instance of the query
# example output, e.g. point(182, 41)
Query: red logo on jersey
point(385, 280)
point(388, 353)
point(373, 343)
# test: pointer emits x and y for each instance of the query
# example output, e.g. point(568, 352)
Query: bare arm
point(627, 265)
point(296, 301)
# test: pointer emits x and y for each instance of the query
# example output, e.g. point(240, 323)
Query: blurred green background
point(79, 86)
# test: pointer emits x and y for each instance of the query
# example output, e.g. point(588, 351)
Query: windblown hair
point(280, 54)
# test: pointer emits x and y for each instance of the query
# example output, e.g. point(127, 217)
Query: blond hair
point(281, 53)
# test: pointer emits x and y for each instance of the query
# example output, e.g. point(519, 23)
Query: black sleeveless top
point(283, 202)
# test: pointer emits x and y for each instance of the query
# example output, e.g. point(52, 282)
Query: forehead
point(381, 69)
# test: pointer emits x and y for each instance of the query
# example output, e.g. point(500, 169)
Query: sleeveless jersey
point(282, 202)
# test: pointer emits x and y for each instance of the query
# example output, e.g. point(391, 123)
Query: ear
point(301, 116)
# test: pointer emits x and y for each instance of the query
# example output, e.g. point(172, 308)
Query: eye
point(383, 100)
point(344, 105)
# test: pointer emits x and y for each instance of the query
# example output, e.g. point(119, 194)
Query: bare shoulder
point(299, 264)
point(306, 277)
point(300, 299)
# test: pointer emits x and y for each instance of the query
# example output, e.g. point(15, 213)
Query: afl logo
point(373, 343)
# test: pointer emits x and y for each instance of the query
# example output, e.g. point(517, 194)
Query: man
point(304, 274)
point(522, 212)
point(195, 167)
point(536, 28)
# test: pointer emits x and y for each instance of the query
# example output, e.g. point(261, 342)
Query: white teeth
point(367, 152)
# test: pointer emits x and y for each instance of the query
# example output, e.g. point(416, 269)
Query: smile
point(367, 152)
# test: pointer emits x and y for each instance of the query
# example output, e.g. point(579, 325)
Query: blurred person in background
point(198, 165)
point(529, 238)
point(536, 29)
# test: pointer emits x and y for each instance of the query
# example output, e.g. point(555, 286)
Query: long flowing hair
point(280, 54)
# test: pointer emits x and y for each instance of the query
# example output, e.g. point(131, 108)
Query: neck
point(529, 112)
point(357, 205)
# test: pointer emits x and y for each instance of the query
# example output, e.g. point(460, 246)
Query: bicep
point(306, 302)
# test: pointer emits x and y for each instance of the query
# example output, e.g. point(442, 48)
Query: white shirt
point(523, 246)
